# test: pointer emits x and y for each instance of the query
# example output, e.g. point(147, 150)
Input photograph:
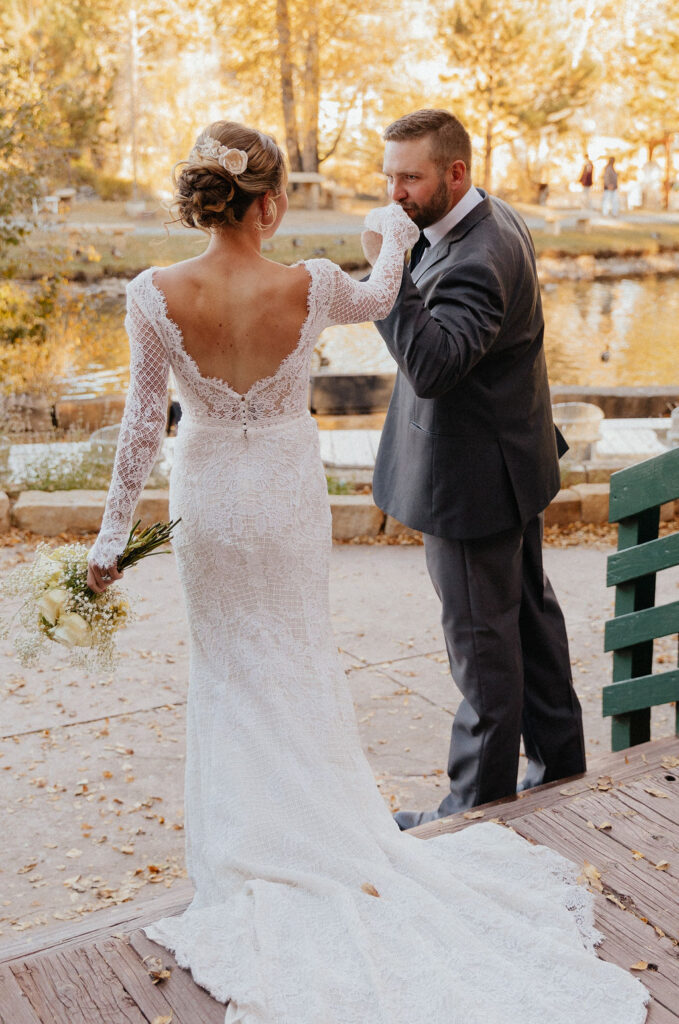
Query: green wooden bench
point(635, 498)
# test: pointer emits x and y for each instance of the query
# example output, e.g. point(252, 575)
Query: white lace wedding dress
point(310, 906)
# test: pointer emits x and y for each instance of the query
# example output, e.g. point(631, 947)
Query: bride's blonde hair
point(208, 195)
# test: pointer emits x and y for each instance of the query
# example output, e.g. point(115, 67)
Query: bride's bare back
point(239, 318)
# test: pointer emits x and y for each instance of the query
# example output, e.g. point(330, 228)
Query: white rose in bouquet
point(72, 631)
point(52, 603)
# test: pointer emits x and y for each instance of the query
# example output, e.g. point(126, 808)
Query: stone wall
point(353, 516)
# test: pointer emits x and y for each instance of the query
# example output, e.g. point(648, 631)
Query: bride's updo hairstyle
point(222, 178)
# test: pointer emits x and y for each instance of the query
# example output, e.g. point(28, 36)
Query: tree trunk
point(488, 154)
point(311, 89)
point(667, 183)
point(286, 68)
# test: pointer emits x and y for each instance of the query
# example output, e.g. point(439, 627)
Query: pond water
point(601, 333)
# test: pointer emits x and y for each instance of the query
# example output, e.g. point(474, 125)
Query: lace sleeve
point(356, 301)
point(141, 432)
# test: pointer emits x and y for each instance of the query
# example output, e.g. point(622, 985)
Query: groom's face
point(415, 181)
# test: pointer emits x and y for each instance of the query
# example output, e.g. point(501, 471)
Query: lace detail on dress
point(156, 343)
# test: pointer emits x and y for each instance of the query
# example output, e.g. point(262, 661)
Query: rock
point(355, 515)
point(53, 512)
point(565, 507)
point(25, 414)
point(89, 413)
point(333, 394)
point(4, 512)
point(392, 528)
point(594, 500)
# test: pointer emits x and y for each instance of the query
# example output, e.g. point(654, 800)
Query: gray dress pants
point(508, 653)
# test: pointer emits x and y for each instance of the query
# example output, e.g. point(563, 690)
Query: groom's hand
point(372, 244)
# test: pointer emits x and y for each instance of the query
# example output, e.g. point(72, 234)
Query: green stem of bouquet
point(146, 542)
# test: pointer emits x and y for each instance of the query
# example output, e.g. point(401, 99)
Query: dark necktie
point(418, 250)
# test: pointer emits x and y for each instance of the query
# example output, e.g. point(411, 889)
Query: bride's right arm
point(141, 434)
point(355, 301)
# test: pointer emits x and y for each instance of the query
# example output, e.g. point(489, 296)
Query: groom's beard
point(433, 210)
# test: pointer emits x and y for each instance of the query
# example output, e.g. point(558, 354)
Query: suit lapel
point(440, 251)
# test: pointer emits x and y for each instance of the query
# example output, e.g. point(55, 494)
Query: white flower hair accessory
point(233, 160)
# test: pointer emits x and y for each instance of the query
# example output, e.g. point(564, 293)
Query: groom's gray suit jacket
point(469, 447)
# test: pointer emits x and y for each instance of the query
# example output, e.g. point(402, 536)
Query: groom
point(469, 456)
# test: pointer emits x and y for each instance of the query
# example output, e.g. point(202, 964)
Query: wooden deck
point(620, 821)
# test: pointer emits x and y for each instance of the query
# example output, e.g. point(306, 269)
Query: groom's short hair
point(449, 138)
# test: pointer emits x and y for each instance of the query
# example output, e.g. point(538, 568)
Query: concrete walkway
point(350, 221)
point(92, 767)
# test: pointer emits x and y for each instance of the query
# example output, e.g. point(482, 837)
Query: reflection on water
point(603, 333)
point(632, 323)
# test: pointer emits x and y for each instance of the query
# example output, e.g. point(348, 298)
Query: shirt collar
point(435, 232)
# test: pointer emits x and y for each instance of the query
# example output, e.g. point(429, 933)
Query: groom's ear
point(458, 172)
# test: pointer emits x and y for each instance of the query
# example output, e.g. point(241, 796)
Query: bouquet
point(59, 606)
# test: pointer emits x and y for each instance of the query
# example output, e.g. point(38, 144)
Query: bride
point(310, 906)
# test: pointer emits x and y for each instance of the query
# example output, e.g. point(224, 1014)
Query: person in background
point(586, 179)
point(610, 204)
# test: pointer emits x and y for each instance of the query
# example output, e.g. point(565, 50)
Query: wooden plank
point(647, 804)
point(627, 941)
point(633, 832)
point(15, 1008)
point(135, 979)
point(635, 627)
point(63, 987)
point(641, 692)
point(658, 1014)
point(190, 1002)
point(649, 483)
point(559, 829)
point(101, 923)
point(623, 566)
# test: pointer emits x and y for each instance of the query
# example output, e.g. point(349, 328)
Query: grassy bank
point(87, 253)
point(97, 254)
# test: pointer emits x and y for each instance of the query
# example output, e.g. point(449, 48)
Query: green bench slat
point(639, 487)
point(646, 558)
point(642, 692)
point(635, 627)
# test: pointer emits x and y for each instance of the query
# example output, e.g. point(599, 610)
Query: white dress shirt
point(435, 232)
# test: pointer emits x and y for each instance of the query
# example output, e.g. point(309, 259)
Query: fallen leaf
point(162, 1020)
point(74, 853)
point(590, 873)
point(662, 865)
point(473, 814)
point(155, 970)
point(26, 868)
point(656, 792)
point(604, 783)
point(614, 899)
point(670, 762)
point(604, 825)
point(640, 965)
point(369, 889)
point(637, 855)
